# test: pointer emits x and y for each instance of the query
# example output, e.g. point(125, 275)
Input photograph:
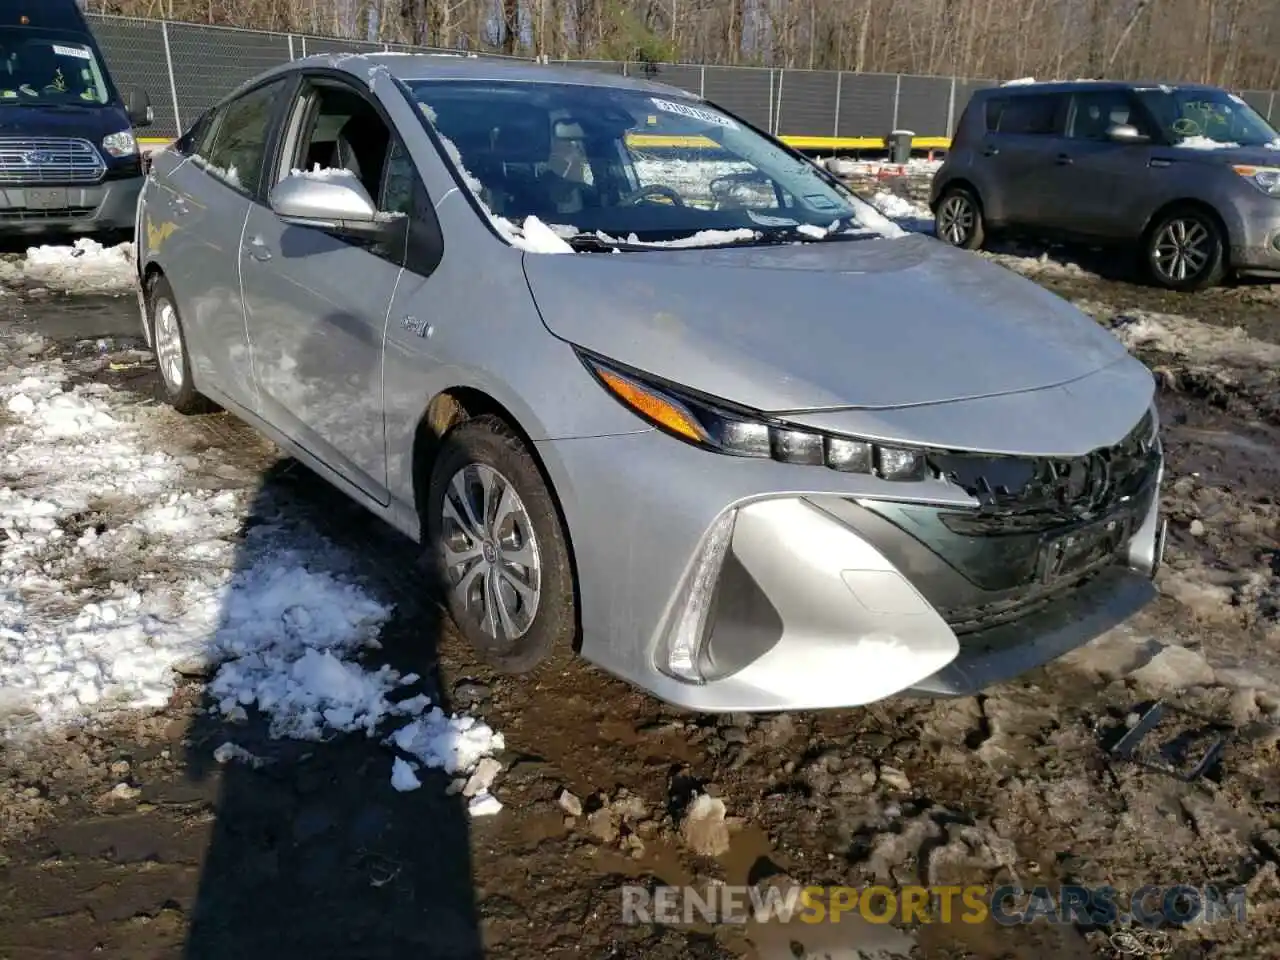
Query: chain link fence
point(185, 67)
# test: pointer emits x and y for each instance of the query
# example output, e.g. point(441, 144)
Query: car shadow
point(312, 853)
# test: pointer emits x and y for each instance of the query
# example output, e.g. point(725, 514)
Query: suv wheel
point(499, 547)
point(1185, 251)
point(959, 219)
point(169, 344)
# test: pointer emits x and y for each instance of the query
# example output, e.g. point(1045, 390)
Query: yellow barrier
point(655, 141)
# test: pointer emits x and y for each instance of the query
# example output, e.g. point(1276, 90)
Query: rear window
point(1027, 114)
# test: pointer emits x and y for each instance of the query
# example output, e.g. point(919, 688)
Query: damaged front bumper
point(811, 600)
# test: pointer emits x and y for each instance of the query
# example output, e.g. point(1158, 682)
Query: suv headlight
point(1266, 179)
point(122, 144)
point(721, 427)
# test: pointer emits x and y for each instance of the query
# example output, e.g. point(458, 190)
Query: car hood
point(870, 324)
point(91, 123)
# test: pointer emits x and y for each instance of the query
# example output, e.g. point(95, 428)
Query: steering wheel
point(652, 190)
point(1186, 127)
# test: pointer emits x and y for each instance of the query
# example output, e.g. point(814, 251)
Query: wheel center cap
point(490, 552)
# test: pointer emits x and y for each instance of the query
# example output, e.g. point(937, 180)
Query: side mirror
point(1126, 133)
point(330, 200)
point(139, 108)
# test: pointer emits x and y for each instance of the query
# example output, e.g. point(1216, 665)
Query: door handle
point(990, 151)
point(1064, 160)
point(257, 249)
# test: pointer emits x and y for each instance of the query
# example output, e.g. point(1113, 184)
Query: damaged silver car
point(650, 386)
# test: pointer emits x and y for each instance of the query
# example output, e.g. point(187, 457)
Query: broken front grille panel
point(1033, 494)
point(35, 161)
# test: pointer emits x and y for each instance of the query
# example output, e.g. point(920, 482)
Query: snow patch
point(113, 574)
point(84, 267)
point(1205, 143)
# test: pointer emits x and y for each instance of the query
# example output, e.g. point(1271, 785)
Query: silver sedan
point(650, 386)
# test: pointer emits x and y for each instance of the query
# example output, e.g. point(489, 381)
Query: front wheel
point(499, 547)
point(959, 219)
point(1185, 251)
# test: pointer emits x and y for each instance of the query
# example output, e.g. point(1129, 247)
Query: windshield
point(1209, 118)
point(629, 166)
point(43, 69)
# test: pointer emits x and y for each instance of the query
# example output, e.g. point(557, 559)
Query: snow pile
point(907, 214)
point(84, 267)
point(1044, 265)
point(112, 576)
point(915, 167)
point(1185, 337)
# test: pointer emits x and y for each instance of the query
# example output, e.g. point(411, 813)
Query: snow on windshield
point(613, 164)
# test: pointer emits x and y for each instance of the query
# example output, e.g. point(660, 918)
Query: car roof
point(1073, 86)
point(409, 67)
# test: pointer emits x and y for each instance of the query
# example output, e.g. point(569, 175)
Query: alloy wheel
point(956, 219)
point(1182, 250)
point(168, 340)
point(490, 553)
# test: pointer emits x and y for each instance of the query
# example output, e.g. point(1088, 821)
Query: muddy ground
point(130, 841)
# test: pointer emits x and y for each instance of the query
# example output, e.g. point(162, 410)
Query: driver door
point(1097, 187)
point(316, 302)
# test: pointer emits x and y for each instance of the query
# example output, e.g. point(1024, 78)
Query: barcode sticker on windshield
point(693, 113)
point(78, 52)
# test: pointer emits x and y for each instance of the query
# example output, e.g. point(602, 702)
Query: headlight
point(722, 428)
point(1266, 179)
point(122, 144)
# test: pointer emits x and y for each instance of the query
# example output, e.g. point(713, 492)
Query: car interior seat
point(361, 147)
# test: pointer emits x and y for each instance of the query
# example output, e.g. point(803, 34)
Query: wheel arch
point(447, 410)
point(963, 183)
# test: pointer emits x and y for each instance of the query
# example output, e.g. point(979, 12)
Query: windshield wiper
point(794, 235)
point(595, 243)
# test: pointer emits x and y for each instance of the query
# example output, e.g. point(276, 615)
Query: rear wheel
point(959, 219)
point(499, 547)
point(1185, 250)
point(169, 344)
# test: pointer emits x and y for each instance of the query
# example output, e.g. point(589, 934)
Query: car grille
point(1033, 494)
point(60, 160)
point(47, 213)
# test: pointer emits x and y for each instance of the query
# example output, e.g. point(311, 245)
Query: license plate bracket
point(1071, 553)
point(46, 198)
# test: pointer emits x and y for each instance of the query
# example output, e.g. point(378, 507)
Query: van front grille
point(38, 160)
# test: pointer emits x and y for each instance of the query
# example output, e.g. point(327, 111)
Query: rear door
point(1096, 186)
point(209, 195)
point(1022, 131)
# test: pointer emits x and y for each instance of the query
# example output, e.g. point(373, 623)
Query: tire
point(1188, 240)
point(958, 220)
point(517, 634)
point(169, 344)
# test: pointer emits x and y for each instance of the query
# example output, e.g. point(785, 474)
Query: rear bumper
point(89, 208)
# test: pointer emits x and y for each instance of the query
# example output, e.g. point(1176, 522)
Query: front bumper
point(88, 208)
point(805, 598)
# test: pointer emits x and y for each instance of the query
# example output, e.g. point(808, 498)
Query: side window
point(1026, 115)
point(1095, 112)
point(399, 183)
point(403, 193)
point(341, 130)
point(239, 137)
